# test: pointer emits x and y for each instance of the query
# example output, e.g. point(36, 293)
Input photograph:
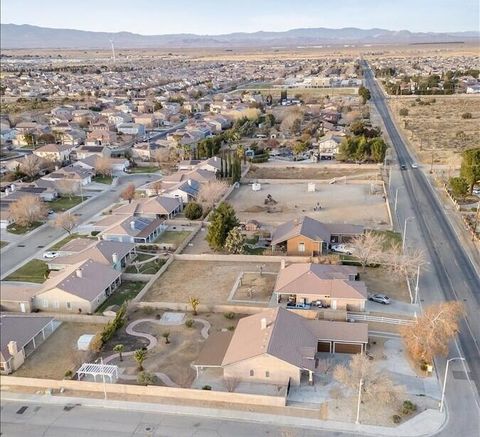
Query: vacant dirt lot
point(255, 287)
point(210, 281)
point(58, 353)
point(379, 280)
point(313, 172)
point(439, 126)
point(340, 203)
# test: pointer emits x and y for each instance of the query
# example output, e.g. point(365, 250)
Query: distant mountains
point(27, 36)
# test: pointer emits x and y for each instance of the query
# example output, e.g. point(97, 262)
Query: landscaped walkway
point(152, 342)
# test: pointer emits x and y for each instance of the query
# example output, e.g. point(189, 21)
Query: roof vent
point(132, 225)
point(263, 323)
point(79, 273)
point(12, 348)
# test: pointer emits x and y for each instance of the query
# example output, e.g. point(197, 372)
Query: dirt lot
point(173, 359)
point(58, 353)
point(439, 126)
point(210, 281)
point(340, 203)
point(379, 280)
point(313, 172)
point(255, 287)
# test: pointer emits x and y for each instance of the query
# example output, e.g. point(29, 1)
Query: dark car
point(403, 167)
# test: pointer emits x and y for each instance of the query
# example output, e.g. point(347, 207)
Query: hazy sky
point(225, 16)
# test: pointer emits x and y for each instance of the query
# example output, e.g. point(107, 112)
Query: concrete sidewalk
point(427, 423)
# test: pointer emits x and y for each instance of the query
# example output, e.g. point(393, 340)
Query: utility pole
point(445, 380)
point(431, 164)
point(475, 223)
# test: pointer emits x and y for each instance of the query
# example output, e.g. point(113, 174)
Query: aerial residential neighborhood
point(239, 227)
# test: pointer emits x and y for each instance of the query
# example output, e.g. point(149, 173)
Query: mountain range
point(26, 36)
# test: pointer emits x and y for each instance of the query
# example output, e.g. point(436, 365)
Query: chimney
point(12, 348)
point(79, 273)
point(132, 225)
point(263, 323)
point(114, 258)
point(189, 182)
point(282, 264)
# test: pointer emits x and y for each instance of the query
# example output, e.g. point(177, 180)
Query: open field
point(58, 353)
point(340, 203)
point(302, 172)
point(303, 92)
point(209, 281)
point(439, 126)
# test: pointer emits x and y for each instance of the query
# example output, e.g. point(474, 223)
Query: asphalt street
point(450, 274)
point(34, 243)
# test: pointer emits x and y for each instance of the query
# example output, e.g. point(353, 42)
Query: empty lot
point(351, 203)
point(209, 281)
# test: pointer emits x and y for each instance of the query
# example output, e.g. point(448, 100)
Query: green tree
point(236, 170)
point(193, 211)
point(299, 147)
point(235, 241)
point(223, 220)
point(470, 169)
point(364, 93)
point(166, 336)
point(459, 186)
point(378, 149)
point(140, 355)
point(403, 112)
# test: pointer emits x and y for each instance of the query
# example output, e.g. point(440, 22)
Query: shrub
point(231, 328)
point(467, 115)
point(423, 366)
point(396, 418)
point(146, 378)
point(408, 407)
point(229, 315)
point(68, 374)
point(148, 310)
point(403, 112)
point(189, 323)
point(193, 211)
point(206, 387)
point(94, 233)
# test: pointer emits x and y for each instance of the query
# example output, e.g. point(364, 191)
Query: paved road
point(44, 420)
point(34, 243)
point(451, 275)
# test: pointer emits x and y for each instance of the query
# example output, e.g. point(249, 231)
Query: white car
point(414, 165)
point(342, 248)
point(50, 255)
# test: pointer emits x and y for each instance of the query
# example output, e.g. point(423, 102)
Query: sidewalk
point(427, 423)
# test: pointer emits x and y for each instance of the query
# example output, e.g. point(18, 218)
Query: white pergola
point(95, 370)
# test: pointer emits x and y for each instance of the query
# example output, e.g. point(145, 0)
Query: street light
point(405, 232)
point(359, 401)
point(416, 285)
point(445, 380)
point(103, 377)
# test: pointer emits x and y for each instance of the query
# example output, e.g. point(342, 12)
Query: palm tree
point(166, 336)
point(140, 355)
point(119, 348)
point(194, 302)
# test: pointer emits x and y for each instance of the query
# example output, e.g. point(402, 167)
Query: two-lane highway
point(455, 272)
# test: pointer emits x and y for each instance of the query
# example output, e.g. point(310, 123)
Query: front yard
point(34, 271)
point(151, 169)
point(127, 291)
point(101, 179)
point(15, 228)
point(64, 203)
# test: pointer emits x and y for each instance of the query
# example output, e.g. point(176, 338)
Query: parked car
point(403, 167)
point(342, 248)
point(50, 255)
point(414, 165)
point(379, 298)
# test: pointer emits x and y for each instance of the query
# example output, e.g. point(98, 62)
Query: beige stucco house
point(54, 152)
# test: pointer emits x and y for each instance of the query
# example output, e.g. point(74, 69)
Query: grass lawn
point(3, 244)
point(172, 237)
point(127, 291)
point(70, 237)
point(151, 169)
point(391, 237)
point(103, 179)
point(13, 228)
point(64, 203)
point(33, 271)
point(254, 251)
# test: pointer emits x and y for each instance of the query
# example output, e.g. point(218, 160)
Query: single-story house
point(18, 296)
point(109, 253)
point(71, 173)
point(54, 152)
point(185, 191)
point(80, 287)
point(84, 151)
point(333, 286)
point(277, 346)
point(157, 207)
point(133, 229)
point(21, 335)
point(306, 236)
point(90, 163)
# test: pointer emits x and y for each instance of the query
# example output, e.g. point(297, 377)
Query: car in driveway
point(50, 255)
point(379, 298)
point(342, 248)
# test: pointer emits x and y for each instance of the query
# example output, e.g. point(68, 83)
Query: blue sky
point(224, 16)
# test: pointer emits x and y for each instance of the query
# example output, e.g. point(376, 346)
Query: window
point(301, 247)
point(68, 305)
point(267, 374)
point(45, 303)
point(252, 373)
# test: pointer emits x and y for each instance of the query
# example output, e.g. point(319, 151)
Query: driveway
point(395, 308)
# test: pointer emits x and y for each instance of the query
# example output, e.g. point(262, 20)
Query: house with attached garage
point(278, 346)
point(184, 191)
point(54, 152)
point(306, 236)
point(307, 285)
point(154, 207)
point(131, 229)
point(80, 287)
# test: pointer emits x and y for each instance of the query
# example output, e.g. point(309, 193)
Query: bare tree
point(156, 187)
point(28, 210)
point(65, 221)
point(325, 365)
point(31, 166)
point(368, 247)
point(103, 166)
point(231, 383)
point(210, 193)
point(68, 187)
point(161, 155)
point(377, 387)
point(432, 332)
point(128, 193)
point(400, 262)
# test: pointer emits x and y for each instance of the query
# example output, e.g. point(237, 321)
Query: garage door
point(348, 348)
point(323, 346)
